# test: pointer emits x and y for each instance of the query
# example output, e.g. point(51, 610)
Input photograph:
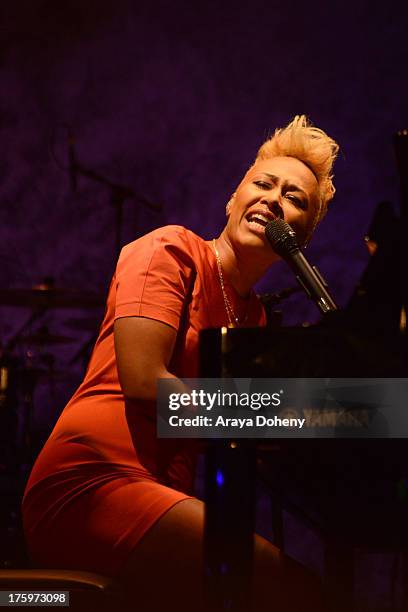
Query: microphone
point(283, 241)
point(72, 167)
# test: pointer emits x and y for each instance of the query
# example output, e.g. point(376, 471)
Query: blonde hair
point(311, 146)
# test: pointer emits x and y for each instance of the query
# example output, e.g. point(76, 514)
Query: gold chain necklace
point(233, 320)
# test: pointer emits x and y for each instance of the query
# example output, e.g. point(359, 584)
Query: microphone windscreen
point(282, 237)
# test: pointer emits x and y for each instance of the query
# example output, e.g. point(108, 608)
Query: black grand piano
point(352, 491)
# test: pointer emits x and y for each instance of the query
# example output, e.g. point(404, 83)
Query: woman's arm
point(143, 351)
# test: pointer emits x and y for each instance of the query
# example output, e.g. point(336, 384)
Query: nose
point(273, 202)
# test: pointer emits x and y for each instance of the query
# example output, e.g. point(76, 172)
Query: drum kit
point(26, 362)
point(19, 375)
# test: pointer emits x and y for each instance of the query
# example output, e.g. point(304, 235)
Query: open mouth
point(257, 219)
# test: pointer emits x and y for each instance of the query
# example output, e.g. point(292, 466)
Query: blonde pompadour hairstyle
point(312, 146)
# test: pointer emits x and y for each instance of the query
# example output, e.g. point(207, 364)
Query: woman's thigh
point(165, 570)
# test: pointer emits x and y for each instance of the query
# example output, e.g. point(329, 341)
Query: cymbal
point(44, 297)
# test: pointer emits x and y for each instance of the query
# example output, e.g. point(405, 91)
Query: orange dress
point(103, 478)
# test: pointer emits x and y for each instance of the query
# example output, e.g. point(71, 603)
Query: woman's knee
point(167, 564)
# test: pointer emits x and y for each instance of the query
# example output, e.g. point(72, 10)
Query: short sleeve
point(153, 276)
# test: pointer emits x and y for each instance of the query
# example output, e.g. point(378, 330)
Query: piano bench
point(87, 591)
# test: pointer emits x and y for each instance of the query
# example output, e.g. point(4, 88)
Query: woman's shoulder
point(168, 235)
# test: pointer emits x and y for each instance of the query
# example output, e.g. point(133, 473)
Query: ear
point(229, 205)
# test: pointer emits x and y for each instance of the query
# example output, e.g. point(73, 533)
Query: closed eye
point(262, 184)
point(296, 201)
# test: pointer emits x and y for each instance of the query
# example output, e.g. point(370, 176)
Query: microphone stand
point(119, 193)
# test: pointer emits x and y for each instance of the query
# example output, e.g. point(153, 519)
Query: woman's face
point(280, 187)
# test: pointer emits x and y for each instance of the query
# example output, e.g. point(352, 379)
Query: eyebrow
point(289, 186)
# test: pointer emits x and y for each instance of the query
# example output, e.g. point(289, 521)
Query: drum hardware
point(41, 298)
point(4, 383)
point(9, 414)
point(7, 381)
point(19, 376)
point(23, 375)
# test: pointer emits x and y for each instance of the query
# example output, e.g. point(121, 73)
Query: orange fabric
point(103, 478)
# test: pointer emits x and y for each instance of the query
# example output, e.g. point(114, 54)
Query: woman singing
point(105, 494)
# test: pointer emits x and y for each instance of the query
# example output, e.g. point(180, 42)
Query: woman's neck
point(243, 269)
